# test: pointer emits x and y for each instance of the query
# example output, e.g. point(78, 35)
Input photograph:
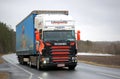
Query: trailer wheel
point(20, 58)
point(30, 62)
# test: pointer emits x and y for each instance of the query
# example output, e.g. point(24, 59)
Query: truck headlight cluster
point(46, 60)
point(74, 59)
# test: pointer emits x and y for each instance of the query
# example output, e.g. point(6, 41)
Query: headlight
point(46, 60)
point(74, 59)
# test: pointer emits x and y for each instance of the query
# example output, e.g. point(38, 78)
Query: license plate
point(60, 65)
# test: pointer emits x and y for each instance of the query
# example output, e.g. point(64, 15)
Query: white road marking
point(7, 59)
point(110, 75)
point(13, 63)
point(93, 54)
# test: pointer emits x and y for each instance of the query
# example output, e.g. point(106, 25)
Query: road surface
point(82, 71)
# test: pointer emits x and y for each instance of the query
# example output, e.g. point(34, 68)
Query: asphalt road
point(82, 71)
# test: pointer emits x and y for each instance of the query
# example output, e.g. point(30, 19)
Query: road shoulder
point(107, 61)
point(4, 74)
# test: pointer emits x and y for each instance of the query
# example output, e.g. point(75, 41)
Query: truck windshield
point(67, 35)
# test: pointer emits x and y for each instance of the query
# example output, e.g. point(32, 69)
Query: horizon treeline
point(99, 47)
point(7, 38)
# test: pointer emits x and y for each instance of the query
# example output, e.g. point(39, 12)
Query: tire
point(30, 63)
point(38, 63)
point(20, 58)
point(21, 61)
point(71, 67)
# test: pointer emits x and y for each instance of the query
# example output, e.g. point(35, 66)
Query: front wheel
point(71, 67)
point(38, 65)
point(38, 62)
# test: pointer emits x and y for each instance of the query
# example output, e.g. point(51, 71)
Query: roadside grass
point(109, 61)
point(3, 75)
point(1, 60)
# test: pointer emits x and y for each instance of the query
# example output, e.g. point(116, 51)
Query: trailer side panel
point(25, 39)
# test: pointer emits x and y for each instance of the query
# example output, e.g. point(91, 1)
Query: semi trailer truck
point(46, 38)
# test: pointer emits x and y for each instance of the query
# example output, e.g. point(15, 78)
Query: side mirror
point(78, 35)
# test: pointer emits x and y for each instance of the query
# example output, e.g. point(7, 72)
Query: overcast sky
point(98, 20)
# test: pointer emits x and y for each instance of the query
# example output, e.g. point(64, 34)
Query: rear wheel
point(30, 62)
point(20, 58)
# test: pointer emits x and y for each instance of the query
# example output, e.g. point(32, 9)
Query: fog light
point(74, 59)
point(44, 62)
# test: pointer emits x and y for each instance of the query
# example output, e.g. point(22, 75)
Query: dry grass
point(104, 60)
point(3, 75)
point(1, 60)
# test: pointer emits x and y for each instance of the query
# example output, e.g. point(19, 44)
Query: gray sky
point(98, 20)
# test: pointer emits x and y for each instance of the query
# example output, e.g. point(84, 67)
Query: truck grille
point(60, 53)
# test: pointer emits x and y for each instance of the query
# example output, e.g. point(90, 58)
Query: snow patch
point(93, 54)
